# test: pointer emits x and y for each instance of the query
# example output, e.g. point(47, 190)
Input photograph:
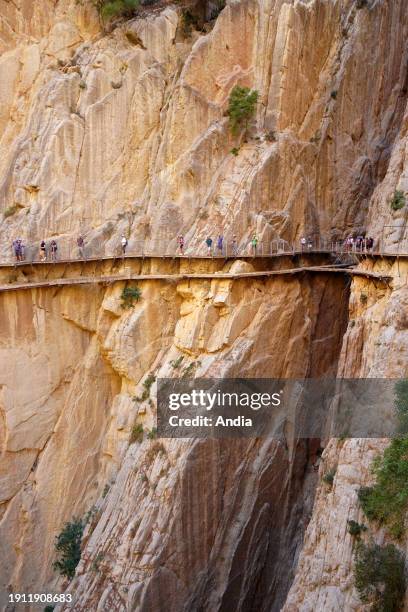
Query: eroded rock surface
point(126, 131)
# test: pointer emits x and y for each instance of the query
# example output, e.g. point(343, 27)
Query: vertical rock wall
point(126, 131)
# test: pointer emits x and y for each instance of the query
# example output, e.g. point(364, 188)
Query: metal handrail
point(68, 252)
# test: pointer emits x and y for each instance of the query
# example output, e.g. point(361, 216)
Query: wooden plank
point(59, 282)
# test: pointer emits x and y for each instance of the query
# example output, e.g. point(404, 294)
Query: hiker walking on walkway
point(53, 249)
point(180, 241)
point(17, 249)
point(370, 245)
point(124, 243)
point(303, 243)
point(43, 250)
point(234, 246)
point(81, 246)
point(220, 241)
point(209, 242)
point(254, 244)
point(350, 243)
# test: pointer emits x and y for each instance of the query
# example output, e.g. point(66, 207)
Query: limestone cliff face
point(106, 135)
point(126, 131)
point(68, 387)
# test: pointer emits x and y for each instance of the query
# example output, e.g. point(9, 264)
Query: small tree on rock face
point(242, 104)
point(398, 200)
point(379, 575)
point(109, 9)
point(129, 296)
point(68, 545)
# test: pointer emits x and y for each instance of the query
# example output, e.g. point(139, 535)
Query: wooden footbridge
point(138, 267)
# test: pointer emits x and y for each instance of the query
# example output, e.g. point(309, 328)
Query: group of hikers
point(351, 244)
point(220, 245)
point(49, 251)
point(360, 243)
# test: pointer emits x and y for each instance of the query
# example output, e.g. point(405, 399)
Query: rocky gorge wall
point(125, 131)
point(374, 346)
point(72, 364)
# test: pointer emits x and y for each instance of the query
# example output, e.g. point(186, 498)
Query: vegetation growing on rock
point(387, 500)
point(136, 435)
point(152, 435)
point(242, 105)
point(401, 405)
point(68, 546)
point(188, 22)
point(398, 200)
point(379, 576)
point(109, 9)
point(355, 529)
point(129, 296)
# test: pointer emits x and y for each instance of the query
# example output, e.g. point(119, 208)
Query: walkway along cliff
point(123, 129)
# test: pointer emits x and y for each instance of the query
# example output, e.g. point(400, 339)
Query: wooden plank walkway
point(86, 280)
point(215, 257)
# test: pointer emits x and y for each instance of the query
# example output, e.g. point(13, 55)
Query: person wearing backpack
point(208, 242)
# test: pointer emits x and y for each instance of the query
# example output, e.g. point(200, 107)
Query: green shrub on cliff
point(401, 405)
point(109, 9)
point(68, 545)
point(188, 22)
point(136, 435)
point(379, 574)
point(129, 296)
point(398, 200)
point(242, 104)
point(355, 529)
point(387, 500)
